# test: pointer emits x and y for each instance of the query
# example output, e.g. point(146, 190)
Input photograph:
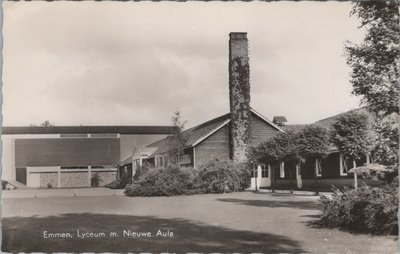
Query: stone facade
point(47, 179)
point(74, 179)
point(239, 95)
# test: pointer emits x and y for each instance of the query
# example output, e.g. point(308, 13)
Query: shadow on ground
point(307, 205)
point(22, 234)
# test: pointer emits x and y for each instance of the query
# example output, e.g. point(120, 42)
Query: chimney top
point(238, 35)
point(279, 120)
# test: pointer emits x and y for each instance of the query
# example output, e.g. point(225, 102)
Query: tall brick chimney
point(239, 95)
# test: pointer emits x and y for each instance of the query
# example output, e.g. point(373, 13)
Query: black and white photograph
point(200, 126)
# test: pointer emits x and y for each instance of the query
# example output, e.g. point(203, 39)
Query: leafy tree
point(177, 141)
point(386, 143)
point(350, 135)
point(375, 62)
point(281, 148)
point(47, 124)
point(313, 143)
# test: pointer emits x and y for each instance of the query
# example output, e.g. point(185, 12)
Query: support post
point(90, 176)
point(59, 177)
point(273, 179)
point(291, 180)
point(316, 177)
point(355, 176)
point(355, 181)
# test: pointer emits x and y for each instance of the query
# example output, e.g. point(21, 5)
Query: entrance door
point(20, 175)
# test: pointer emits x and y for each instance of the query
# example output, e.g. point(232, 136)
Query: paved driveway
point(237, 222)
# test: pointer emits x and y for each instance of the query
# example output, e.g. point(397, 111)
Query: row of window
point(90, 135)
point(87, 167)
point(161, 161)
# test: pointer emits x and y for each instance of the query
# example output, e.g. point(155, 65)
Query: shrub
point(4, 183)
point(169, 181)
point(143, 169)
point(244, 173)
point(49, 185)
point(367, 209)
point(114, 185)
point(219, 176)
point(95, 180)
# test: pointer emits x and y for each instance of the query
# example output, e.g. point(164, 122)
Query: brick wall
point(260, 131)
point(239, 95)
point(215, 146)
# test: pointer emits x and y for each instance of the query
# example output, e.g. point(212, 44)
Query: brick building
point(228, 136)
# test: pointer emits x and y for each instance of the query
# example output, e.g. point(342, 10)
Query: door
point(21, 175)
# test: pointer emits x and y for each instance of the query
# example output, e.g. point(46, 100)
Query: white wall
point(261, 181)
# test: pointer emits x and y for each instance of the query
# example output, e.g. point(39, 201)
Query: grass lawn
point(237, 222)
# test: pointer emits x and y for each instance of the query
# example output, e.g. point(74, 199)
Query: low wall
point(47, 179)
point(74, 179)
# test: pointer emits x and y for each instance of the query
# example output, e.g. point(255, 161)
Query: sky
point(136, 63)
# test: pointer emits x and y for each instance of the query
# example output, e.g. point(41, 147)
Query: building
point(69, 156)
point(229, 136)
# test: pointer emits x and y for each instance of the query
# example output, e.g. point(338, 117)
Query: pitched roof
point(87, 129)
point(327, 122)
point(194, 134)
point(294, 127)
point(197, 134)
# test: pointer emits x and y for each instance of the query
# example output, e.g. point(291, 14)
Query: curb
point(296, 192)
point(61, 193)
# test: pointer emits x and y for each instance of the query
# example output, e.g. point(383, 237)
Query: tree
point(313, 144)
point(376, 73)
point(386, 145)
point(375, 62)
point(350, 135)
point(267, 153)
point(47, 124)
point(177, 141)
point(281, 148)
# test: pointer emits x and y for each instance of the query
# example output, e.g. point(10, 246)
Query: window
point(75, 135)
point(282, 170)
point(318, 167)
point(184, 159)
point(343, 165)
point(104, 135)
point(264, 171)
point(103, 167)
point(75, 167)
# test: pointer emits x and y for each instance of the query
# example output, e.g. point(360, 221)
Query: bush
point(114, 185)
point(220, 176)
point(49, 185)
point(95, 180)
point(367, 209)
point(4, 183)
point(169, 181)
point(143, 169)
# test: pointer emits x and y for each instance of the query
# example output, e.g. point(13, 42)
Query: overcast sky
point(126, 63)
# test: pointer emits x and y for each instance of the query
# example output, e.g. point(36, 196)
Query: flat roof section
point(12, 130)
